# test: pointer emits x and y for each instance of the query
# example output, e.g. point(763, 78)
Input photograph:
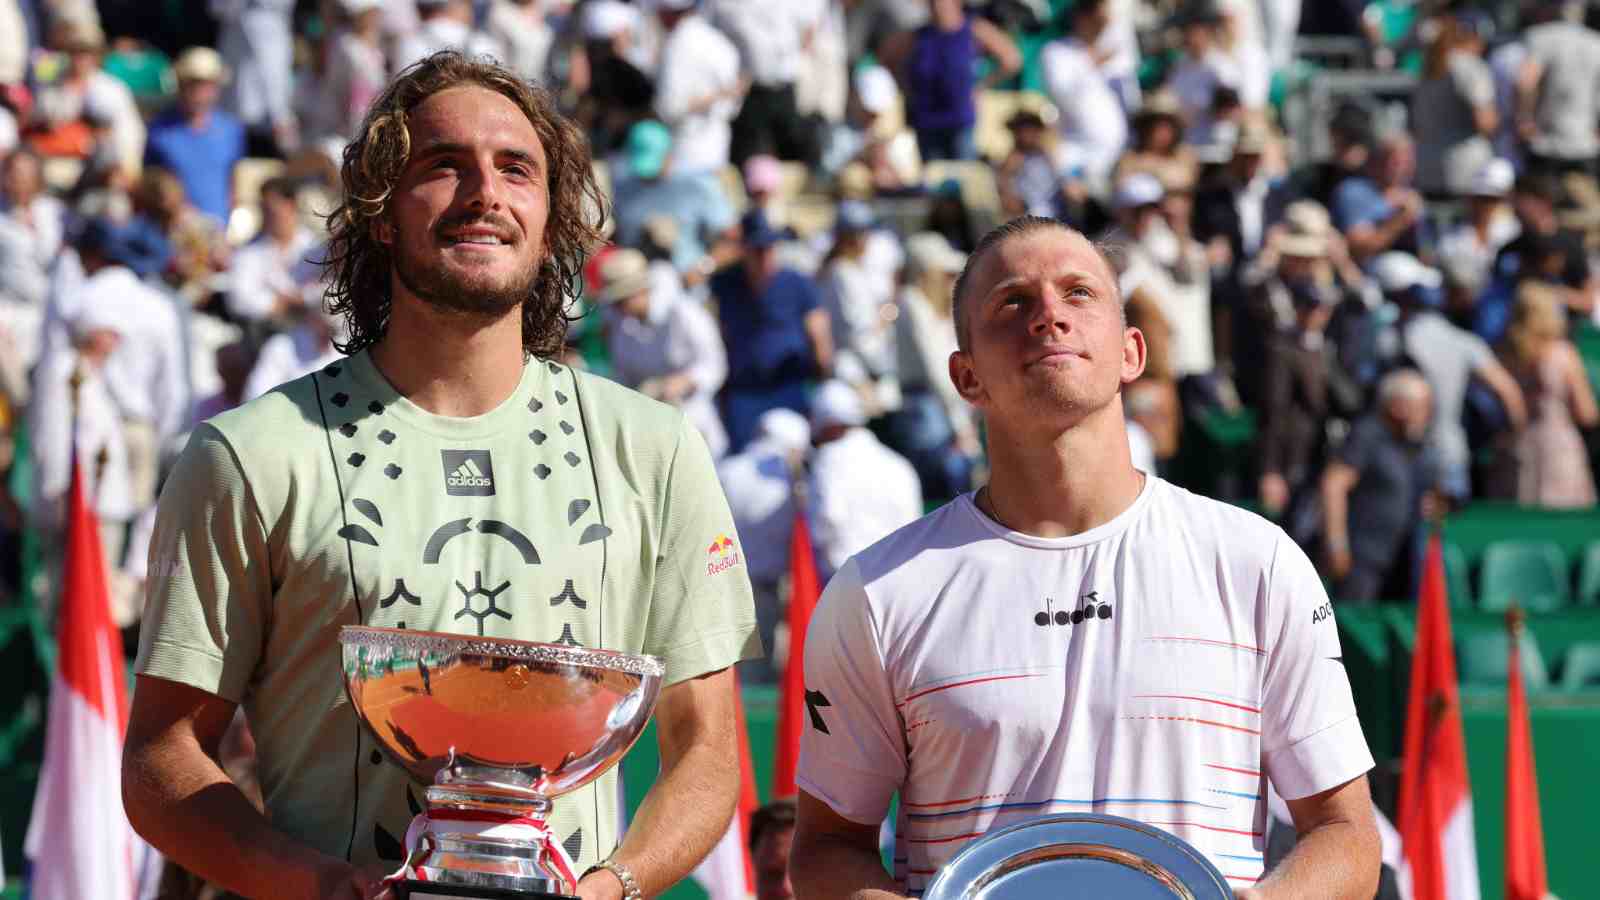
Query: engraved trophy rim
point(445, 642)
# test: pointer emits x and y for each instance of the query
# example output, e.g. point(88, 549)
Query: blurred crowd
point(1382, 284)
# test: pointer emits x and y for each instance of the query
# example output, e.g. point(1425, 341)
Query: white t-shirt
point(697, 60)
point(1161, 667)
point(1092, 121)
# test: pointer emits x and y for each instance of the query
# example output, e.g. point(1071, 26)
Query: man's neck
point(284, 238)
point(197, 118)
point(1080, 479)
point(448, 363)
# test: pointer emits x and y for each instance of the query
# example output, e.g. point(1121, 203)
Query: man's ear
point(1134, 354)
point(965, 378)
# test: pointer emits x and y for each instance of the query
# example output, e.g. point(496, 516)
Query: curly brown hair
point(360, 265)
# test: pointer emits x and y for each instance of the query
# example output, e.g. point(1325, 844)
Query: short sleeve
point(1311, 740)
point(1477, 350)
point(1356, 451)
point(852, 740)
point(1472, 80)
point(702, 616)
point(209, 586)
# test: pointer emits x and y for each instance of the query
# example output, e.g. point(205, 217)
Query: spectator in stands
point(146, 373)
point(772, 40)
point(262, 289)
point(934, 427)
point(235, 359)
point(1158, 146)
point(1092, 122)
point(1449, 357)
point(663, 344)
point(860, 307)
point(1381, 211)
point(525, 38)
point(1468, 250)
point(1171, 268)
point(26, 205)
point(258, 37)
point(823, 87)
point(647, 185)
point(699, 88)
point(1203, 68)
point(353, 72)
point(1040, 176)
point(60, 107)
point(763, 187)
point(1545, 463)
point(1378, 486)
point(1351, 135)
point(196, 247)
point(1453, 110)
point(760, 484)
point(937, 67)
point(1558, 97)
point(774, 328)
point(860, 490)
point(306, 346)
point(61, 418)
point(1543, 250)
point(196, 140)
point(869, 136)
point(771, 839)
point(442, 25)
point(612, 92)
point(1303, 383)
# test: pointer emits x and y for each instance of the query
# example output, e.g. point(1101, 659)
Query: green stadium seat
point(1484, 658)
point(1532, 574)
point(1580, 669)
point(1589, 577)
point(1457, 577)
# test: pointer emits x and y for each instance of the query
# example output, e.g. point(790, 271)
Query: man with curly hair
point(448, 475)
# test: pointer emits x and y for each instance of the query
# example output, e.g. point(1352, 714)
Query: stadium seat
point(1484, 658)
point(1580, 669)
point(1589, 577)
point(1457, 577)
point(1531, 574)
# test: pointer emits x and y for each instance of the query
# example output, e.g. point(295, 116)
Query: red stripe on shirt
point(956, 802)
point(1250, 709)
point(1255, 774)
point(946, 687)
point(1194, 640)
point(1245, 878)
point(1208, 828)
point(1198, 722)
point(944, 840)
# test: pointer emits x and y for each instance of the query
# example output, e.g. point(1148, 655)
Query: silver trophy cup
point(494, 728)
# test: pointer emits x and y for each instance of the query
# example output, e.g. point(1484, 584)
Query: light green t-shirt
point(577, 511)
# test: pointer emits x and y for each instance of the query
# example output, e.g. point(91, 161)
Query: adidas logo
point(467, 473)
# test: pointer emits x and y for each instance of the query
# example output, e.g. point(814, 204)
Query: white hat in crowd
point(605, 19)
point(785, 428)
point(357, 7)
point(624, 273)
point(836, 403)
point(876, 89)
point(1139, 189)
point(671, 5)
point(1493, 180)
point(200, 64)
point(1398, 271)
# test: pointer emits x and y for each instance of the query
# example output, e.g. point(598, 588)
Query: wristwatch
point(630, 884)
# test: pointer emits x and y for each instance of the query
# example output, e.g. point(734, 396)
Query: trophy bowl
point(1078, 855)
point(495, 728)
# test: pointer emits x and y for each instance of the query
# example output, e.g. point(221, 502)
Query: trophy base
point(428, 890)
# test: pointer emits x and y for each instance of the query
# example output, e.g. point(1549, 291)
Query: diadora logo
point(1090, 608)
point(723, 554)
point(467, 473)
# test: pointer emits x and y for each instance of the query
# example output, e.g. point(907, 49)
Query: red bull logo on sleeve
point(722, 555)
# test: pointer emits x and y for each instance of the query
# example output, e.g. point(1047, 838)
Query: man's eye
point(518, 171)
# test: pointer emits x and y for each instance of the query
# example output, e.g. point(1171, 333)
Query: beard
point(444, 288)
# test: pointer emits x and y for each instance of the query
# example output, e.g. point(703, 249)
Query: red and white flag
point(1435, 812)
point(727, 874)
point(79, 839)
point(805, 589)
point(1525, 872)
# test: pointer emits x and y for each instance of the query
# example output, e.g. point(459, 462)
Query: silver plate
point(1078, 855)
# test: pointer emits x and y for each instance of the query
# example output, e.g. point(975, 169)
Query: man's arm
point(820, 331)
point(1338, 854)
point(689, 807)
point(1338, 480)
point(178, 798)
point(1506, 388)
point(834, 857)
